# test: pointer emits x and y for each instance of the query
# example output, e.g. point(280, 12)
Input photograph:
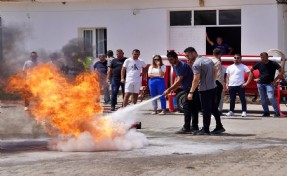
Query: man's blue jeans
point(116, 84)
point(267, 90)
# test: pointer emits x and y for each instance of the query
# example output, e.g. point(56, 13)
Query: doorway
point(230, 35)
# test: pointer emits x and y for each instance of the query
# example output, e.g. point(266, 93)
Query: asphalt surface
point(252, 145)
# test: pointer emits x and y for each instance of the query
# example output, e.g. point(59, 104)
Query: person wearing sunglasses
point(235, 83)
point(156, 83)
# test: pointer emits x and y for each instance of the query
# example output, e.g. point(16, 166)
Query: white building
point(153, 26)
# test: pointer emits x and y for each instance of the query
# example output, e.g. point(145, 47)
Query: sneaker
point(201, 132)
point(266, 114)
point(194, 128)
point(153, 113)
point(276, 115)
point(230, 113)
point(243, 114)
point(218, 130)
point(162, 113)
point(26, 108)
point(183, 131)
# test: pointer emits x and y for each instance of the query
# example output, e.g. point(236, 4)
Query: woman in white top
point(156, 83)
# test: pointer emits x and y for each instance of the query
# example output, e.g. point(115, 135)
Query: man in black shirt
point(266, 82)
point(114, 77)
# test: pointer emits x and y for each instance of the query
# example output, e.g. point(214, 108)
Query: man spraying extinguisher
point(184, 77)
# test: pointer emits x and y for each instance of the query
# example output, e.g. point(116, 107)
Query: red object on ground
point(170, 102)
point(136, 125)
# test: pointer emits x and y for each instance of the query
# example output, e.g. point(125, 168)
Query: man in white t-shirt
point(132, 69)
point(33, 62)
point(236, 84)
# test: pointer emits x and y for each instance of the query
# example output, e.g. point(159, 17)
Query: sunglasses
point(236, 57)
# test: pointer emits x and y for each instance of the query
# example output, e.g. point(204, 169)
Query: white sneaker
point(243, 114)
point(230, 113)
point(26, 109)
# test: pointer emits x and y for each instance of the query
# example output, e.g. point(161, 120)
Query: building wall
point(282, 21)
point(260, 28)
point(50, 26)
point(52, 30)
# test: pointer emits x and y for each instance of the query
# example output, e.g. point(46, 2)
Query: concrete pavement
point(251, 146)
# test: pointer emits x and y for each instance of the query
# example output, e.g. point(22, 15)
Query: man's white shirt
point(133, 69)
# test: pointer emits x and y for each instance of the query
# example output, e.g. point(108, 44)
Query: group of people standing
point(126, 73)
point(203, 80)
point(120, 72)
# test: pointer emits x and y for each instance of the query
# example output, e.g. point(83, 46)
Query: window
point(95, 41)
point(180, 18)
point(88, 42)
point(101, 41)
point(205, 17)
point(229, 17)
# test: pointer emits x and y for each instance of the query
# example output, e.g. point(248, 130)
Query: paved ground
point(250, 146)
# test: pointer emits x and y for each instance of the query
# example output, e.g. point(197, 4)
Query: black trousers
point(208, 105)
point(190, 110)
point(219, 89)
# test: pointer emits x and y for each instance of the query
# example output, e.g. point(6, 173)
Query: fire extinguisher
point(172, 103)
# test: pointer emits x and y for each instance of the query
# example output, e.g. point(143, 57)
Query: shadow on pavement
point(234, 135)
point(18, 146)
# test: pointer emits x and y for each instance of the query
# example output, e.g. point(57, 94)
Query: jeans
point(190, 110)
point(116, 84)
point(267, 89)
point(241, 92)
point(157, 87)
point(208, 106)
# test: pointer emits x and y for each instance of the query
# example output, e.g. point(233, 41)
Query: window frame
point(217, 17)
point(94, 39)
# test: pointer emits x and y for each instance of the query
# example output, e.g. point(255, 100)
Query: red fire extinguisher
point(172, 102)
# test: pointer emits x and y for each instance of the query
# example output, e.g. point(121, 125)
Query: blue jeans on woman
point(157, 87)
point(241, 92)
point(267, 90)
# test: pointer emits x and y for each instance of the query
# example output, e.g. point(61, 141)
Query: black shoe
point(276, 115)
point(194, 128)
point(183, 131)
point(220, 113)
point(266, 114)
point(218, 130)
point(113, 108)
point(202, 132)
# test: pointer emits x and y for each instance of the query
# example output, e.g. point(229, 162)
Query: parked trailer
point(251, 89)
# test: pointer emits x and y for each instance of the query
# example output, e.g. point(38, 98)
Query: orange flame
point(63, 107)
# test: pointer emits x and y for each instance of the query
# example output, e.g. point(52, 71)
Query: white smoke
point(127, 140)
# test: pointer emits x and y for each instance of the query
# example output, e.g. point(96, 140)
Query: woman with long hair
point(156, 83)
